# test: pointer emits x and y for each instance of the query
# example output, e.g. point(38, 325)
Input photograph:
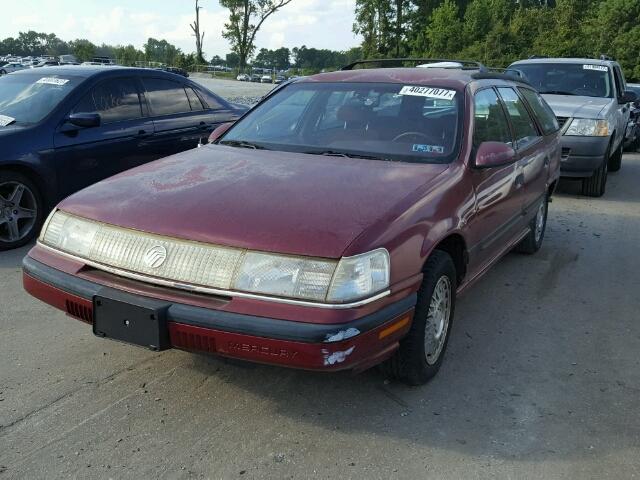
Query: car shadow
point(13, 258)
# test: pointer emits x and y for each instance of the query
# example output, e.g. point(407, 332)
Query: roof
point(443, 77)
point(76, 70)
point(590, 61)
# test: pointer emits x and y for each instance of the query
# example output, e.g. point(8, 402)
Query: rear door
point(86, 155)
point(533, 161)
point(498, 217)
point(181, 120)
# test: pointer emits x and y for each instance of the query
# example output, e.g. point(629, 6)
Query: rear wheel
point(3, 72)
point(615, 162)
point(421, 352)
point(21, 210)
point(533, 241)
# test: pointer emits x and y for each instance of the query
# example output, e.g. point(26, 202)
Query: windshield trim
point(350, 153)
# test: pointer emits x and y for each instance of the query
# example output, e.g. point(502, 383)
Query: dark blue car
point(63, 128)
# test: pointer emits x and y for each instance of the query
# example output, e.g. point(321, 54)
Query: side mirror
point(628, 97)
point(494, 154)
point(219, 131)
point(84, 120)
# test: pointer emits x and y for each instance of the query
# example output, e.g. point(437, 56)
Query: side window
point(114, 100)
point(524, 128)
point(545, 115)
point(210, 100)
point(194, 101)
point(166, 97)
point(620, 86)
point(490, 122)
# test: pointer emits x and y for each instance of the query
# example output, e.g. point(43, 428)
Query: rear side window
point(489, 119)
point(166, 97)
point(211, 101)
point(114, 100)
point(545, 115)
point(524, 128)
point(194, 101)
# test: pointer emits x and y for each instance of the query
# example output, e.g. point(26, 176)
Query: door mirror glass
point(628, 97)
point(218, 132)
point(494, 154)
point(84, 120)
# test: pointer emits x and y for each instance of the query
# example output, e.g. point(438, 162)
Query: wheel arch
point(33, 175)
point(455, 245)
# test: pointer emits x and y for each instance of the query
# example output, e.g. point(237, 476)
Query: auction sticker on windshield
point(53, 81)
point(5, 120)
point(439, 93)
point(599, 68)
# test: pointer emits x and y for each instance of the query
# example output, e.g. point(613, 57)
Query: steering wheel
point(415, 134)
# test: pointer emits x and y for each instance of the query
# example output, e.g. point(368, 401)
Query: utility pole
point(195, 26)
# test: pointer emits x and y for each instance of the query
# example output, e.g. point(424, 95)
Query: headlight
point(284, 276)
point(70, 234)
point(360, 276)
point(185, 263)
point(589, 127)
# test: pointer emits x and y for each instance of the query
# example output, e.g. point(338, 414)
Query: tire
point(3, 72)
point(615, 162)
point(595, 185)
point(410, 363)
point(537, 227)
point(16, 232)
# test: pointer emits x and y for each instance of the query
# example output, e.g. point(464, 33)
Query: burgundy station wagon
point(330, 228)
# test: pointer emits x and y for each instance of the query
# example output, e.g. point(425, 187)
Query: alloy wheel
point(540, 219)
point(18, 211)
point(438, 316)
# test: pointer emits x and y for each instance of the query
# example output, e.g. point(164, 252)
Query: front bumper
point(355, 345)
point(581, 156)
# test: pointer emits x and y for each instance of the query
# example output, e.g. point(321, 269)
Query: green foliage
point(278, 59)
point(498, 32)
point(83, 49)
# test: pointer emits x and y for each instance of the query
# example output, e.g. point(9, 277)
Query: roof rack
point(393, 62)
point(606, 57)
point(501, 74)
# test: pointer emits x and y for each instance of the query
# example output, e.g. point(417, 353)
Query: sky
point(314, 23)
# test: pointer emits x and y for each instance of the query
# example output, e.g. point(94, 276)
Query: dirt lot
point(541, 380)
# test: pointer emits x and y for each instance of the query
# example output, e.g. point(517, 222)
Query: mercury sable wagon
point(330, 228)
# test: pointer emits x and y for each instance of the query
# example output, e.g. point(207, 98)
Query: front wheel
point(615, 162)
point(421, 352)
point(595, 185)
point(21, 210)
point(3, 72)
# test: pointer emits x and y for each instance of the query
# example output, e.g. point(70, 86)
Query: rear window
point(545, 115)
point(166, 97)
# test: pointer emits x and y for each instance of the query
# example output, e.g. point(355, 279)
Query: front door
point(84, 156)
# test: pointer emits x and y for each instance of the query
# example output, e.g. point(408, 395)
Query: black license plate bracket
point(131, 319)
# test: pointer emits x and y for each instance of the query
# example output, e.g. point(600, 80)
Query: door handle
point(203, 126)
point(143, 134)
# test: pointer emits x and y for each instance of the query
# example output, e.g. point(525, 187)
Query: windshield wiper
point(557, 92)
point(242, 144)
point(334, 153)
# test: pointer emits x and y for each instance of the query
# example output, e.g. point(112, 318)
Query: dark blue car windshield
point(27, 99)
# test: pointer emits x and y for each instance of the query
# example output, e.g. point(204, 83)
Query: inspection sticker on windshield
point(599, 68)
point(419, 147)
point(5, 120)
point(439, 93)
point(53, 81)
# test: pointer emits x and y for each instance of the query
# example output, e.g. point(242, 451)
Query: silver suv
point(591, 103)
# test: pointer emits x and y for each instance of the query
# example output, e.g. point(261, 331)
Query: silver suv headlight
point(185, 263)
point(588, 127)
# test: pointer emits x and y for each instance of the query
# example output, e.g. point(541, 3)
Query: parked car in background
point(10, 68)
point(255, 78)
point(633, 131)
point(46, 63)
point(266, 79)
point(280, 79)
point(243, 77)
point(63, 128)
point(333, 225)
point(590, 100)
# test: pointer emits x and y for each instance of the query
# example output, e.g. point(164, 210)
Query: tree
point(83, 49)
point(160, 51)
point(195, 26)
point(245, 19)
point(445, 31)
point(233, 60)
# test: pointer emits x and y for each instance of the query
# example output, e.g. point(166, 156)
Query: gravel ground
point(245, 93)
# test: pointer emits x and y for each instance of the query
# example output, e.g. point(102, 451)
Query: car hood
point(263, 200)
point(10, 129)
point(574, 106)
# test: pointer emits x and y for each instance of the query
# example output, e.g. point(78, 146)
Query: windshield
point(368, 120)
point(28, 99)
point(568, 78)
